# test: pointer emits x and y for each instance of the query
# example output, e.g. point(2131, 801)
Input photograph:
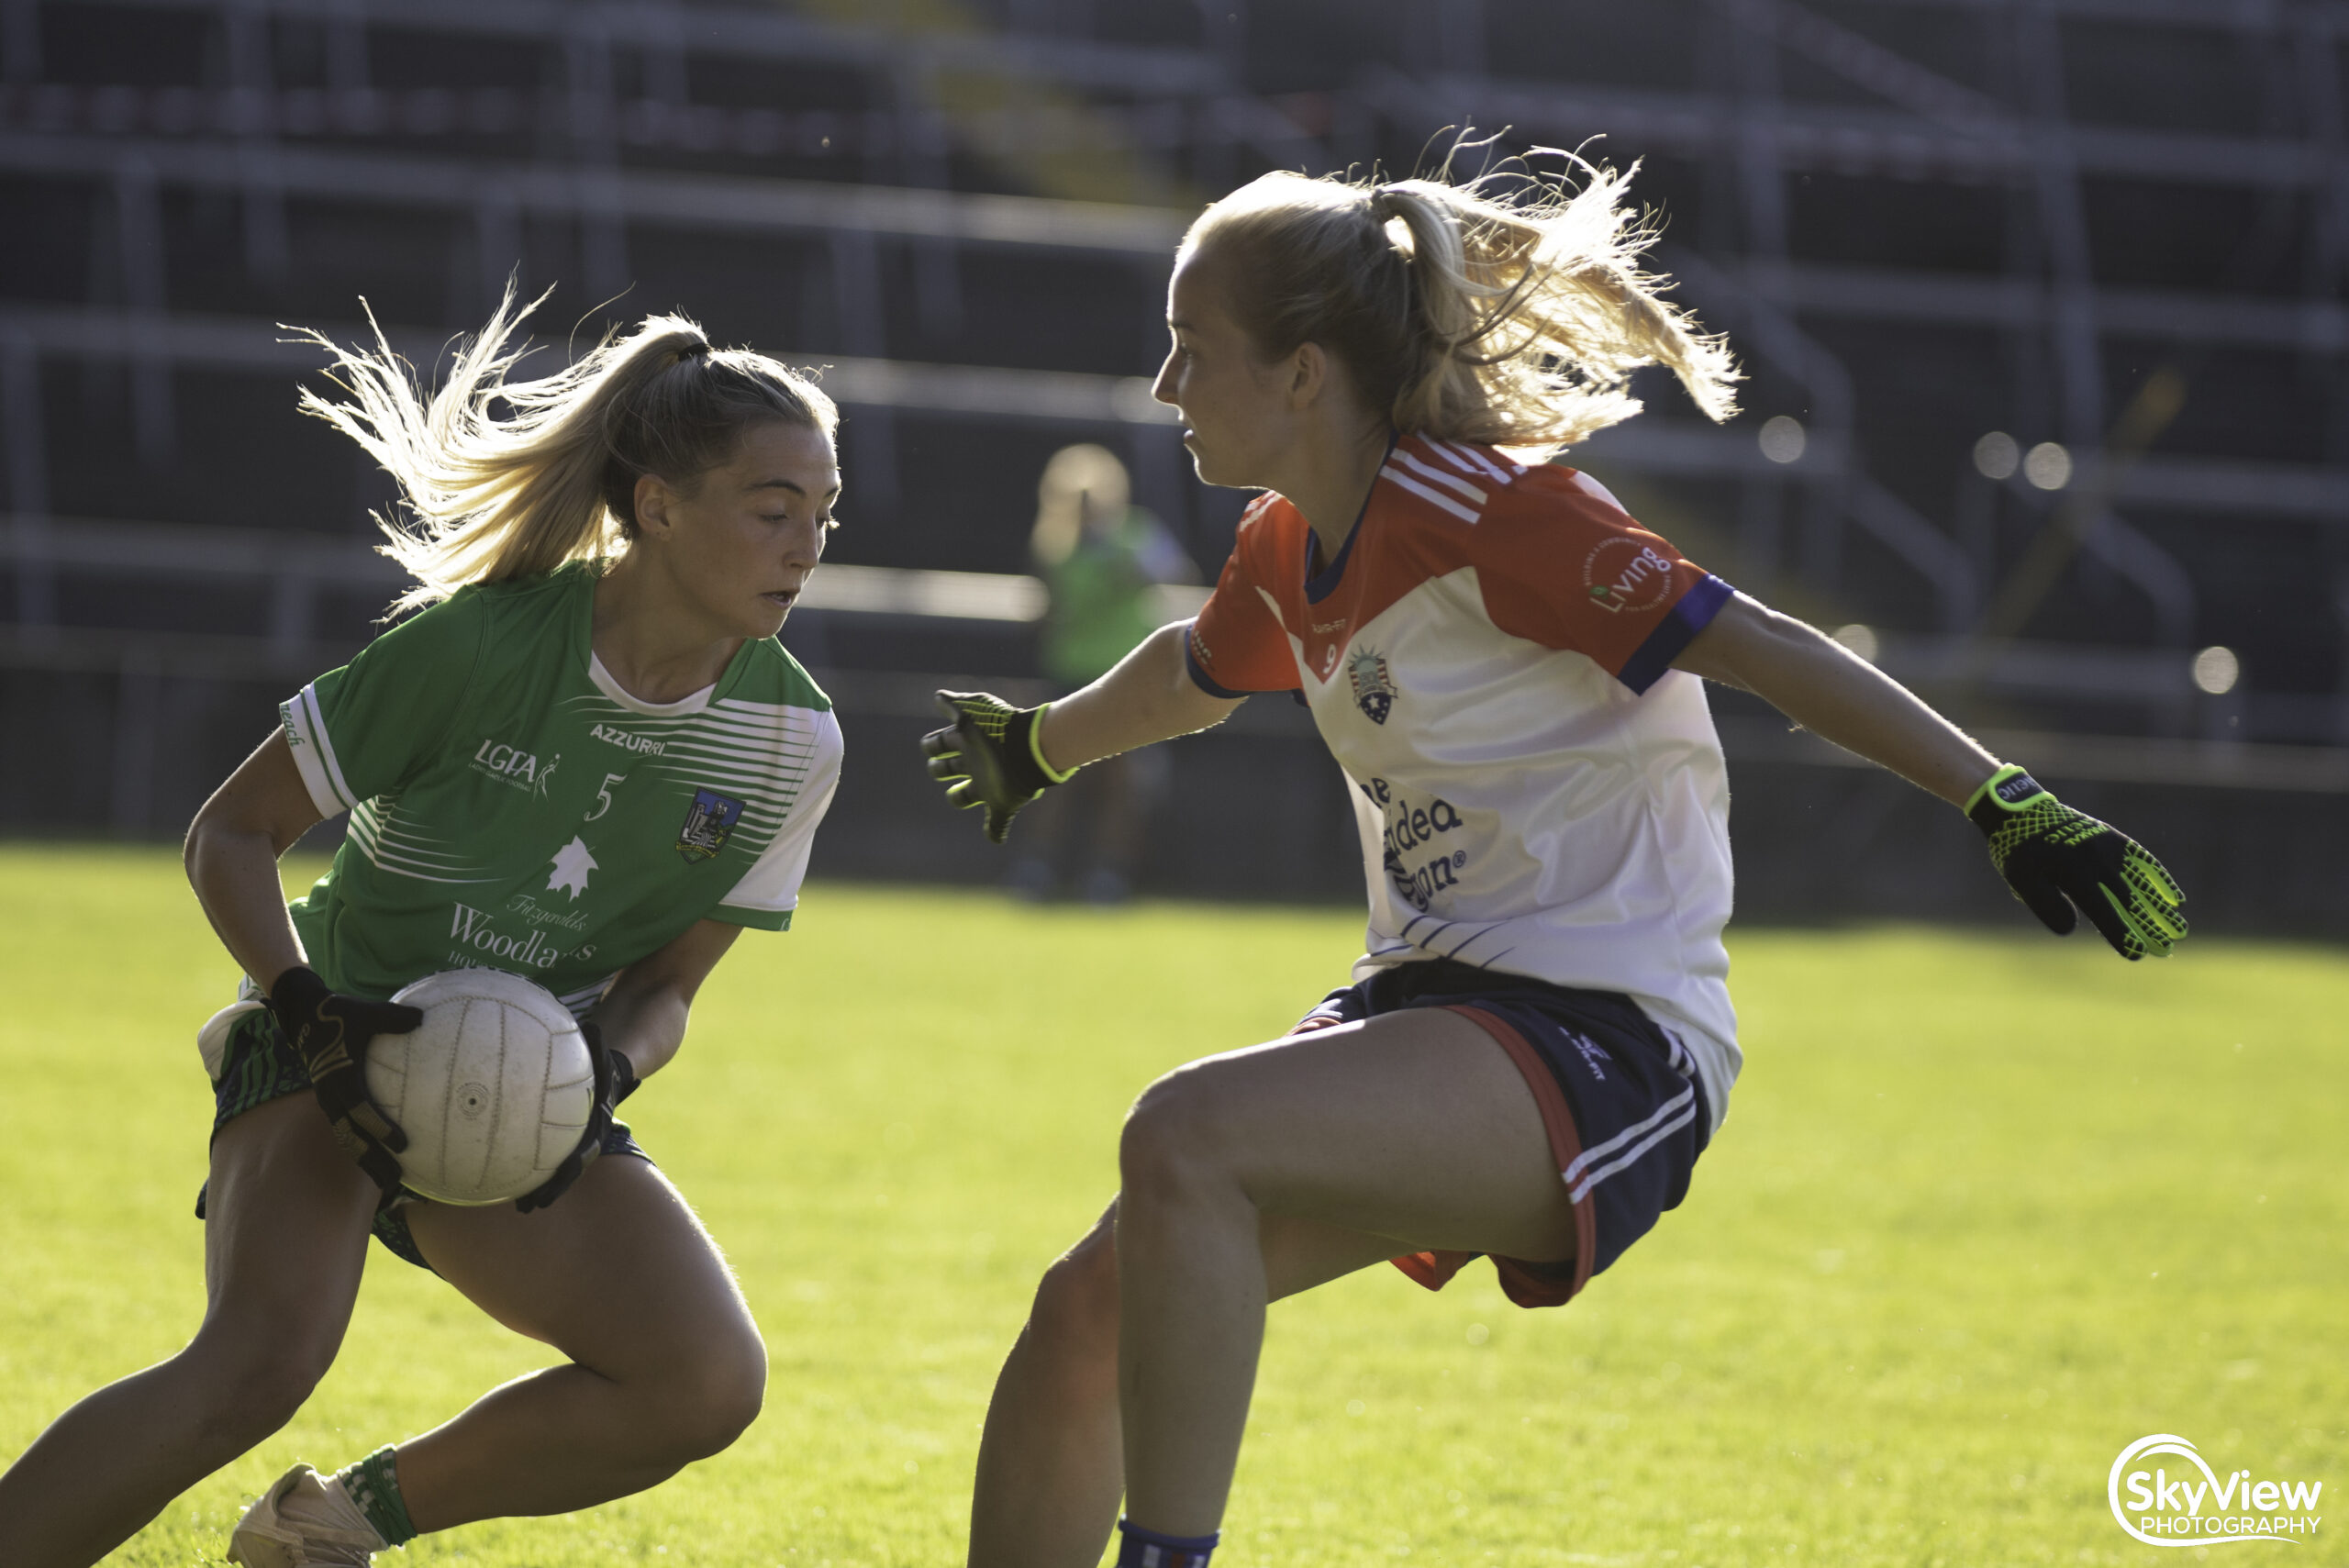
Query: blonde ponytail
point(490, 495)
point(1507, 312)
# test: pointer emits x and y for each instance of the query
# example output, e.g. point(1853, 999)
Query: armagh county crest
point(707, 822)
point(1373, 687)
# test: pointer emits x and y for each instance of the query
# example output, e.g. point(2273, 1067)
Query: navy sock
point(1147, 1549)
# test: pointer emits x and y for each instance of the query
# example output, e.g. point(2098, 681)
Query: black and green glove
point(2055, 857)
point(990, 756)
point(330, 1032)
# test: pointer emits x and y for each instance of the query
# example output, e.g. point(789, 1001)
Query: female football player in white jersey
point(1538, 1041)
point(586, 759)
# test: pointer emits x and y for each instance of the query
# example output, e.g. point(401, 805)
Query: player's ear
point(1309, 374)
point(652, 498)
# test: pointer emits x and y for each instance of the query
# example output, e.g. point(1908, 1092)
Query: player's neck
point(1329, 480)
point(651, 638)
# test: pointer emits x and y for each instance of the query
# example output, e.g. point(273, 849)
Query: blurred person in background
point(1538, 1044)
point(591, 686)
point(1102, 559)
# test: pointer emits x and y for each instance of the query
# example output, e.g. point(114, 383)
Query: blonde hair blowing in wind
point(1508, 309)
point(503, 479)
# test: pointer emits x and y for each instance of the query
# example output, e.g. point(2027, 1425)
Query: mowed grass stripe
point(1987, 1207)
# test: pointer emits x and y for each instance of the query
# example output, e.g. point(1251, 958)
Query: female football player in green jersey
point(586, 761)
point(1508, 669)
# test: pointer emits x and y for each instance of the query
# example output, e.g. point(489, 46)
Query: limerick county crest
point(707, 822)
point(1373, 687)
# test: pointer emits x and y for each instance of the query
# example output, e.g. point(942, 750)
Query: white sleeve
point(306, 733)
point(769, 890)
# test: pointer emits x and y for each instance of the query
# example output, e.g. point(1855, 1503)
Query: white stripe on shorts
point(1596, 1165)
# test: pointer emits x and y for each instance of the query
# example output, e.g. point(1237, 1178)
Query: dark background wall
point(2115, 231)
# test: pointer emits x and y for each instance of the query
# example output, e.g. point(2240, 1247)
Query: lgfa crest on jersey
point(708, 821)
point(1375, 690)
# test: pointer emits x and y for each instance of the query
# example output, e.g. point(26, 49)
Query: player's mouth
point(782, 598)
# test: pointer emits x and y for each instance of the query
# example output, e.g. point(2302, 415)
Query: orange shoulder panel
point(1562, 567)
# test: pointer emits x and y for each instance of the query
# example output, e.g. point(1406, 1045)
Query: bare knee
point(698, 1404)
point(1173, 1139)
point(1074, 1319)
point(248, 1382)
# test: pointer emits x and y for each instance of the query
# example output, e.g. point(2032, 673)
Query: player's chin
point(770, 611)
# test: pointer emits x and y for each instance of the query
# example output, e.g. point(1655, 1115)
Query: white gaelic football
point(493, 1090)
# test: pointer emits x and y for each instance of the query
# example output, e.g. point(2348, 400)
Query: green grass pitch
point(1987, 1207)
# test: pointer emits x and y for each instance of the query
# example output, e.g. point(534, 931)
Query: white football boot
point(300, 1523)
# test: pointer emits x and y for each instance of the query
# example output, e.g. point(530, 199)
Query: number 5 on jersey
point(604, 796)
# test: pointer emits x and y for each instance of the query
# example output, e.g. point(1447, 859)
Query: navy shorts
point(260, 1066)
point(1626, 1115)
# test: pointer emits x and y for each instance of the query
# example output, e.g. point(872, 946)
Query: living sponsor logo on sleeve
point(1623, 574)
point(1412, 828)
point(2194, 1507)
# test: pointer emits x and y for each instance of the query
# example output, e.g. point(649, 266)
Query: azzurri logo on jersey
point(708, 821)
point(1373, 687)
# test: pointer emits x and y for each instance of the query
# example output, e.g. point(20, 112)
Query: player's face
point(1236, 412)
point(744, 543)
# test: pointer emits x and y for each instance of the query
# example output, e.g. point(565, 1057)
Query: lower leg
point(117, 1458)
point(1050, 1466)
point(1193, 1302)
point(551, 1442)
point(285, 1245)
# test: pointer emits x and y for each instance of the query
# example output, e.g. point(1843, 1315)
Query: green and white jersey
point(512, 808)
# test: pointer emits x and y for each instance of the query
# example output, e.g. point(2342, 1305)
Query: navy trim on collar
point(1320, 586)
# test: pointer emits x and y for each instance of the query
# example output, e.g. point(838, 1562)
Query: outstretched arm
point(1150, 696)
point(1002, 756)
point(1835, 693)
point(2055, 859)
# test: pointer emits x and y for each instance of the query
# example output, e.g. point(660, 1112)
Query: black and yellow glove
point(2053, 857)
point(330, 1032)
point(990, 756)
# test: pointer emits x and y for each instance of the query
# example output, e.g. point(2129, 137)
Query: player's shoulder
point(542, 600)
point(1552, 508)
point(773, 686)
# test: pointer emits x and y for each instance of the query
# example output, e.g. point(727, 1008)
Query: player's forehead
point(780, 455)
point(1199, 294)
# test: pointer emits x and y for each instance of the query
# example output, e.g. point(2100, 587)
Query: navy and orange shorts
point(1626, 1114)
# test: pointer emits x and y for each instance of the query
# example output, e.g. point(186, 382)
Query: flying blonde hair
point(1508, 309)
point(490, 494)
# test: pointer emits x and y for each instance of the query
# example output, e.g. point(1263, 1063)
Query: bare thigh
point(285, 1234)
point(618, 1275)
point(1415, 1127)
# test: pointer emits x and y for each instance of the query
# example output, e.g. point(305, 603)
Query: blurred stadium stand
point(2042, 302)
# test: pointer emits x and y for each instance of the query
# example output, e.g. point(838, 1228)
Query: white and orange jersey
point(1489, 659)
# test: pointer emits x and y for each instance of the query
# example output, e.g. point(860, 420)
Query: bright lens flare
point(2048, 466)
point(1996, 456)
point(2216, 671)
point(1783, 439)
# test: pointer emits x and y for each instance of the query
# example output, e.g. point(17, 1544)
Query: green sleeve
point(357, 731)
